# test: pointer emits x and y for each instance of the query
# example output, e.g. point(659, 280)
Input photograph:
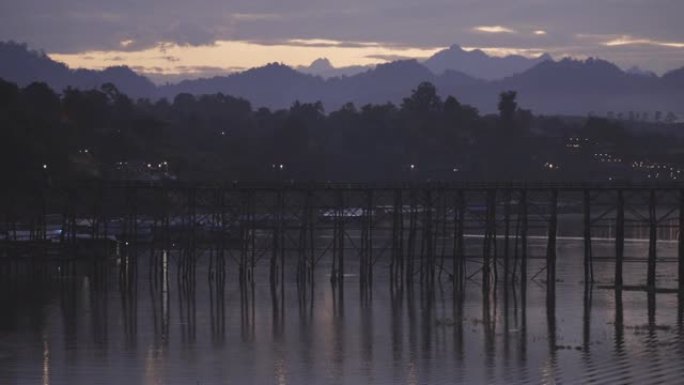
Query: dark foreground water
point(93, 327)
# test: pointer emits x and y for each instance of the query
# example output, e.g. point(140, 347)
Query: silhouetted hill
point(674, 79)
point(385, 83)
point(578, 87)
point(278, 86)
point(480, 65)
point(21, 65)
point(125, 79)
point(274, 85)
point(564, 87)
point(570, 76)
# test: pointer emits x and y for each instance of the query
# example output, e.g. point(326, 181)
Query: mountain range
point(567, 86)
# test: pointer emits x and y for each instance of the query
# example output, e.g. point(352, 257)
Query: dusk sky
point(212, 36)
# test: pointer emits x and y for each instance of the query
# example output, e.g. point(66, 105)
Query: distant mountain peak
point(590, 64)
point(324, 68)
point(321, 64)
point(479, 64)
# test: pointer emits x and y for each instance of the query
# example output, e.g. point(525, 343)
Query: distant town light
point(281, 166)
point(413, 166)
point(44, 166)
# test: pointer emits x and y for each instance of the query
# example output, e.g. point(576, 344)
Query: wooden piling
point(523, 241)
point(410, 254)
point(681, 241)
point(277, 238)
point(489, 237)
point(396, 265)
point(427, 266)
point(459, 247)
point(340, 238)
point(652, 238)
point(619, 237)
point(507, 220)
point(588, 258)
point(370, 212)
point(551, 246)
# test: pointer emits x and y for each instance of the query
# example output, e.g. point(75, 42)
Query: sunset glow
point(231, 56)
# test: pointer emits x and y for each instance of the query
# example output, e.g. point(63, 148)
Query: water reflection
point(128, 291)
point(46, 363)
point(159, 301)
point(186, 298)
point(130, 316)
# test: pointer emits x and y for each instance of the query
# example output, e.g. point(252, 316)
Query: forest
point(46, 136)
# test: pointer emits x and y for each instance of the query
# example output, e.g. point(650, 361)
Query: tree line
point(103, 134)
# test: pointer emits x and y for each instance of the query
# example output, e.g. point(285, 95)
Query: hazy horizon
point(92, 60)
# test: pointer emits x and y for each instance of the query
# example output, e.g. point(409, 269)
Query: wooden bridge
point(424, 231)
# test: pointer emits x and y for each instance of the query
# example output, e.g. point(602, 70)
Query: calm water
point(90, 327)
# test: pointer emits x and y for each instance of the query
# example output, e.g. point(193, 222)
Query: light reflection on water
point(101, 327)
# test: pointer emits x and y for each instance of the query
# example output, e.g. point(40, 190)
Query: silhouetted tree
point(507, 107)
point(423, 100)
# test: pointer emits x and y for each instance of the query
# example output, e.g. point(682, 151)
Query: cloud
point(508, 51)
point(539, 32)
point(190, 34)
point(494, 29)
point(208, 69)
point(320, 43)
point(628, 40)
point(170, 58)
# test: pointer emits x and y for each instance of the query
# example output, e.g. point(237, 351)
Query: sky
point(200, 37)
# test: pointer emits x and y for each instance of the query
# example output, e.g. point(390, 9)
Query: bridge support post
point(551, 247)
point(652, 238)
point(681, 241)
point(588, 258)
point(523, 242)
point(619, 237)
